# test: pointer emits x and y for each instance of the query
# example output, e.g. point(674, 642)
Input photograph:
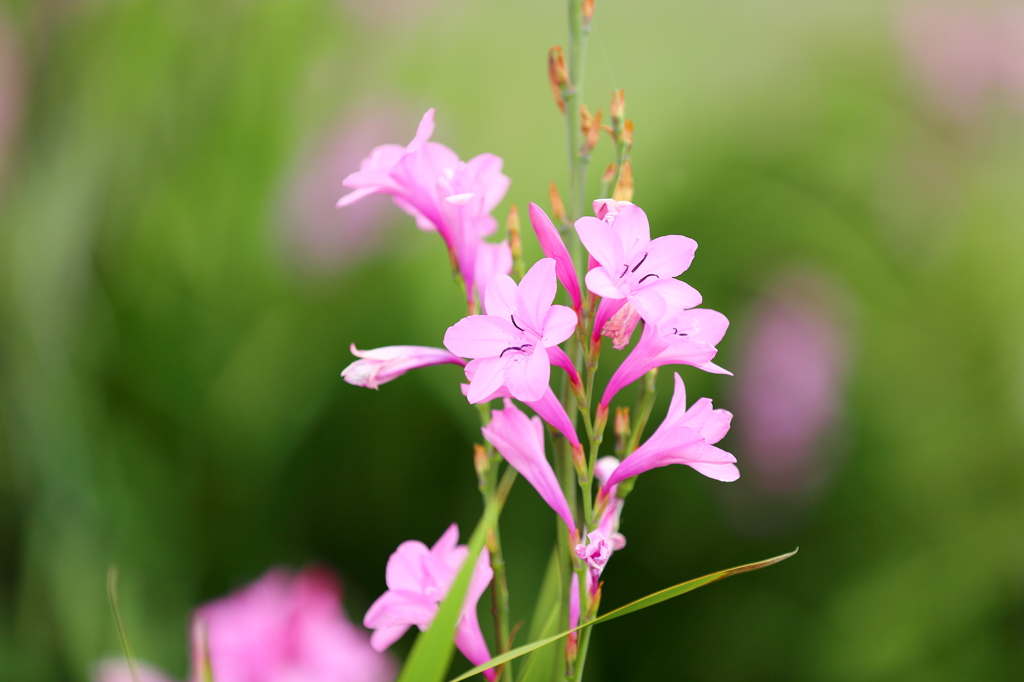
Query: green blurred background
point(177, 296)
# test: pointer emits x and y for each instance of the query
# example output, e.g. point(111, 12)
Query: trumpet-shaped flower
point(428, 181)
point(683, 337)
point(635, 268)
point(548, 408)
point(553, 247)
point(686, 436)
point(281, 627)
point(517, 340)
point(380, 365)
point(418, 580)
point(520, 440)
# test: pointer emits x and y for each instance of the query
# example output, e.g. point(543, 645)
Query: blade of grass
point(122, 633)
point(642, 603)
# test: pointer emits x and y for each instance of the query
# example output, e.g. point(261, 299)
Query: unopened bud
point(609, 173)
point(623, 430)
point(558, 75)
point(627, 133)
point(579, 461)
point(617, 110)
point(624, 188)
point(557, 207)
point(591, 126)
point(481, 462)
point(587, 9)
point(515, 243)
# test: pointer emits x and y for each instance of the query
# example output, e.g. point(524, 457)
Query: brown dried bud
point(558, 75)
point(617, 110)
point(512, 227)
point(481, 462)
point(587, 9)
point(557, 207)
point(622, 428)
point(591, 126)
point(624, 188)
point(609, 173)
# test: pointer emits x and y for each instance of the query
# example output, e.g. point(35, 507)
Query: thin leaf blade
point(642, 603)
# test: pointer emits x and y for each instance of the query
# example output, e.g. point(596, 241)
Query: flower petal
point(480, 336)
point(553, 247)
point(558, 325)
point(537, 292)
point(601, 282)
point(527, 374)
point(601, 241)
point(489, 377)
point(668, 256)
point(500, 297)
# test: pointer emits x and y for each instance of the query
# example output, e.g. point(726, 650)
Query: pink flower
point(517, 340)
point(794, 360)
point(428, 181)
point(608, 209)
point(380, 365)
point(606, 539)
point(549, 408)
point(281, 627)
point(553, 247)
point(684, 437)
point(520, 440)
point(634, 268)
point(683, 337)
point(418, 580)
point(596, 554)
point(618, 326)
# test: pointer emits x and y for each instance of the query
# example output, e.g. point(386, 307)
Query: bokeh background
point(177, 296)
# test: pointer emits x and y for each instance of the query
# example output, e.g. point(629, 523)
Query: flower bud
point(587, 10)
point(617, 110)
point(515, 243)
point(624, 188)
point(579, 461)
point(623, 430)
point(558, 76)
point(609, 174)
point(481, 462)
point(557, 207)
point(627, 133)
point(591, 127)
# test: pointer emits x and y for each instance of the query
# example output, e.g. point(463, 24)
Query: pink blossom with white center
point(281, 627)
point(428, 181)
point(520, 440)
point(686, 436)
point(380, 365)
point(418, 580)
point(683, 337)
point(635, 268)
point(517, 340)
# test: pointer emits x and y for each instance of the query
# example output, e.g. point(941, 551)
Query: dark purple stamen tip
point(625, 269)
point(639, 264)
point(646, 276)
point(516, 325)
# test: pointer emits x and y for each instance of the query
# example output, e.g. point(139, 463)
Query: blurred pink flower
point(281, 627)
point(11, 87)
point(380, 365)
point(517, 340)
point(963, 53)
point(418, 580)
point(320, 237)
point(520, 440)
point(686, 436)
point(793, 359)
point(428, 181)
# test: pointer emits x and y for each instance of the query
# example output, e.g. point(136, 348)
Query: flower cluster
point(508, 351)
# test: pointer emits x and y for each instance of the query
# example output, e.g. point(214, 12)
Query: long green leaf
point(544, 623)
point(432, 653)
point(643, 603)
